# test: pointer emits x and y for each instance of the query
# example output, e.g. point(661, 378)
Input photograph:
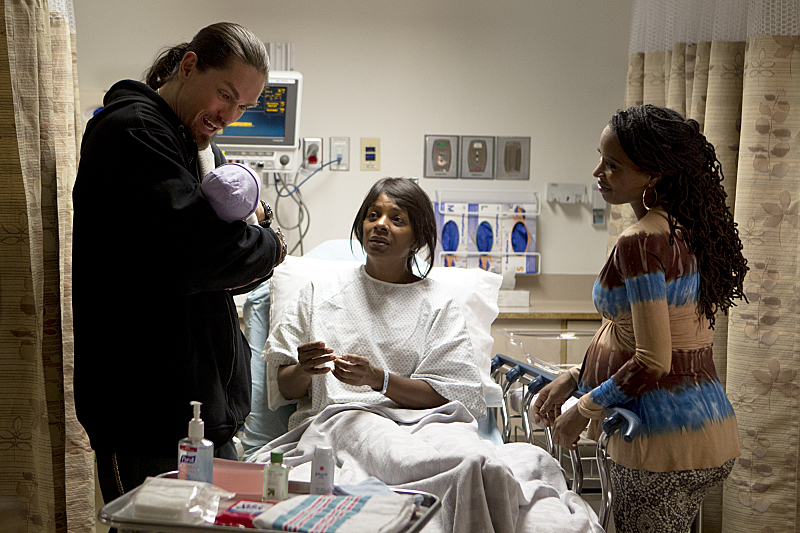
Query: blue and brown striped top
point(653, 356)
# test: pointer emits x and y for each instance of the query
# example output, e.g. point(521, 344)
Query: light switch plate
point(370, 153)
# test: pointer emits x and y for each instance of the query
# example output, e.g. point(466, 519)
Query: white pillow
point(475, 291)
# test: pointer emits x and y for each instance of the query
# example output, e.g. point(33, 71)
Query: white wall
point(400, 69)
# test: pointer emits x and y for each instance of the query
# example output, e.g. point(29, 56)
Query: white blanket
point(483, 487)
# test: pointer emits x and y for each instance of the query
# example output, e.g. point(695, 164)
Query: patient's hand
point(312, 357)
point(355, 370)
point(548, 404)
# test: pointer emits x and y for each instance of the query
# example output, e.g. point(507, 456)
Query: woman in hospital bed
point(396, 335)
point(380, 363)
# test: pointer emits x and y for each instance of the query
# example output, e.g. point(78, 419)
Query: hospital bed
point(521, 382)
point(475, 291)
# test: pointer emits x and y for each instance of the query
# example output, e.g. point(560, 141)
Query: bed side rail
point(619, 419)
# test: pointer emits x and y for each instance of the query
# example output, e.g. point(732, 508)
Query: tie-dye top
point(653, 356)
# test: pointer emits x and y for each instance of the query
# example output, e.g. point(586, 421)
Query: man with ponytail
point(660, 289)
point(154, 267)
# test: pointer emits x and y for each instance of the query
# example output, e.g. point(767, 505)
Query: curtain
point(734, 66)
point(46, 464)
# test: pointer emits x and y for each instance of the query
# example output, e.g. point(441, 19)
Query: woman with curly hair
point(667, 276)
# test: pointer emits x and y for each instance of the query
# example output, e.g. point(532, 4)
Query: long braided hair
point(214, 45)
point(660, 140)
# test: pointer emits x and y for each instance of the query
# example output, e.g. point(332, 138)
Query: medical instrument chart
point(266, 119)
point(265, 137)
point(498, 237)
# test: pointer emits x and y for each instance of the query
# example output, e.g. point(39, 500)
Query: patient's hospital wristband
point(385, 382)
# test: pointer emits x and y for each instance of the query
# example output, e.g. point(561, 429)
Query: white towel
point(179, 501)
point(385, 513)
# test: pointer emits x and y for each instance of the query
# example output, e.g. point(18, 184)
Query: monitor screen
point(274, 119)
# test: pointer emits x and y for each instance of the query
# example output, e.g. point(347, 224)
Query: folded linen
point(181, 501)
point(384, 513)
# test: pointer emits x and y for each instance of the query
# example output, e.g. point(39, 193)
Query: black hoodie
point(153, 268)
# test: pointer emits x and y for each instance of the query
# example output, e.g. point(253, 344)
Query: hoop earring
point(644, 198)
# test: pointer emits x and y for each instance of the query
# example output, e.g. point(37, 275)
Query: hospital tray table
point(521, 382)
point(112, 516)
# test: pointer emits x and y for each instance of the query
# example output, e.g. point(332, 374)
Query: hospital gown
point(413, 330)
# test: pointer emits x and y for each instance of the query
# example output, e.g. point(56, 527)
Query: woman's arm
point(645, 289)
point(406, 392)
point(640, 261)
point(550, 399)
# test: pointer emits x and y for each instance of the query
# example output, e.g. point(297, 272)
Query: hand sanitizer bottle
point(322, 465)
point(276, 478)
point(196, 454)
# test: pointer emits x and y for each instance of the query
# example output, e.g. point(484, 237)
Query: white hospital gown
point(413, 330)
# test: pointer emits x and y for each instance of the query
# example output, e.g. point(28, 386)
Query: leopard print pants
point(662, 502)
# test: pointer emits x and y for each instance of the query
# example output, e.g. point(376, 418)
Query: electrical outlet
point(312, 153)
point(340, 146)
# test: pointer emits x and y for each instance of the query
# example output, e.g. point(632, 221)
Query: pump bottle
point(196, 454)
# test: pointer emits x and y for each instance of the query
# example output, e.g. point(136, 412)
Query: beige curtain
point(734, 66)
point(46, 465)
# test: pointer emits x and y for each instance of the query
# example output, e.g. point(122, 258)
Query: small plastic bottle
point(196, 454)
point(322, 466)
point(276, 478)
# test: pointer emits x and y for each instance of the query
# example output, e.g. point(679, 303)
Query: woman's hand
point(355, 370)
point(548, 404)
point(294, 380)
point(568, 427)
point(312, 357)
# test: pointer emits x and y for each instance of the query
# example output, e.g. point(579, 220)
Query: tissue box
point(513, 298)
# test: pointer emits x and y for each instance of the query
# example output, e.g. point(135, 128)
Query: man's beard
point(202, 140)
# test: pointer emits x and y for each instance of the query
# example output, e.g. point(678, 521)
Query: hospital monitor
point(266, 137)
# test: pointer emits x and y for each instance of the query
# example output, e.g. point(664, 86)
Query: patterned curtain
point(734, 66)
point(46, 464)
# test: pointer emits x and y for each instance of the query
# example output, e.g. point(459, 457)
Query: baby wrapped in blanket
point(233, 190)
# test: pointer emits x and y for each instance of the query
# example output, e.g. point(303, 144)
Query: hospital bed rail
point(534, 376)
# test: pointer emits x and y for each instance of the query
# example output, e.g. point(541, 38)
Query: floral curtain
point(46, 464)
point(734, 66)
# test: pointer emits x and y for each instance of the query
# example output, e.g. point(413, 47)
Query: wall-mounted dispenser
point(477, 157)
point(441, 156)
point(598, 208)
point(513, 158)
point(567, 193)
